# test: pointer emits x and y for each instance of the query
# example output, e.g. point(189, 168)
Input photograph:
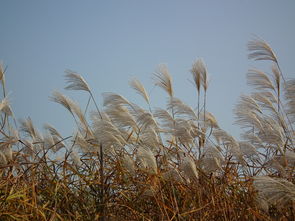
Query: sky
point(111, 42)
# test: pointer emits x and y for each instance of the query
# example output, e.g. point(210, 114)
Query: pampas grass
point(261, 50)
point(165, 163)
point(275, 191)
point(76, 82)
point(139, 88)
point(163, 79)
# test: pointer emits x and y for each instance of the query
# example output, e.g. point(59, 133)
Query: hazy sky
point(110, 42)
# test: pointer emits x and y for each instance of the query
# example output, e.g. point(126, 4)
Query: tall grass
point(125, 162)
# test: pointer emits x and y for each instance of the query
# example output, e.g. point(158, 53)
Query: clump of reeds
point(126, 162)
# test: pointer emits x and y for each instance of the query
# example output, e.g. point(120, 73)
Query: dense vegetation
point(125, 162)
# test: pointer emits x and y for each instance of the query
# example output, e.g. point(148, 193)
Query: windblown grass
point(125, 162)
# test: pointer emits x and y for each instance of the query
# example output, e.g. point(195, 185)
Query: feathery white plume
point(197, 72)
point(248, 150)
point(260, 50)
point(52, 130)
point(121, 116)
point(114, 99)
point(149, 137)
point(230, 143)
point(288, 159)
point(165, 118)
point(76, 158)
point(276, 165)
point(1, 71)
point(212, 159)
point(200, 74)
point(277, 77)
point(48, 141)
point(172, 175)
point(29, 148)
point(144, 119)
point(259, 80)
point(58, 144)
point(137, 85)
point(28, 128)
point(70, 105)
point(85, 146)
point(272, 133)
point(63, 100)
point(128, 164)
point(276, 191)
point(106, 132)
point(290, 96)
point(180, 108)
point(188, 167)
point(265, 101)
point(182, 131)
point(210, 120)
point(75, 81)
point(5, 107)
point(147, 159)
point(163, 79)
point(5, 148)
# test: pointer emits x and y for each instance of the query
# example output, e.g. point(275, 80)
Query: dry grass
point(129, 163)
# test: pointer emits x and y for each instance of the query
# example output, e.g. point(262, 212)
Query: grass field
point(125, 162)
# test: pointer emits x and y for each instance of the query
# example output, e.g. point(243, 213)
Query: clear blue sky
point(109, 42)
